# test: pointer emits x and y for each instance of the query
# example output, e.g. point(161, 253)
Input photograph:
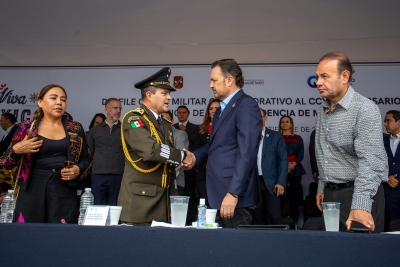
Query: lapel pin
point(267, 135)
point(233, 105)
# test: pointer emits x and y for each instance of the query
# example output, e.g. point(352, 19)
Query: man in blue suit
point(392, 187)
point(272, 163)
point(232, 161)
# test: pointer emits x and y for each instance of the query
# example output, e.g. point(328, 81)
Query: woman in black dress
point(52, 156)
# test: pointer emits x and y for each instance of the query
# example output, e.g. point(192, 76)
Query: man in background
point(181, 141)
point(391, 143)
point(190, 175)
point(104, 142)
point(272, 163)
point(7, 122)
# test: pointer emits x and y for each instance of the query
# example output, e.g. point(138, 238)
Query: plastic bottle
point(201, 221)
point(87, 199)
point(7, 208)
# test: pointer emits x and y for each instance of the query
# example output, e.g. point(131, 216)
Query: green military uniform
point(150, 162)
point(147, 183)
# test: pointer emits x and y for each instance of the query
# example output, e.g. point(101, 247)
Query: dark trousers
point(242, 216)
point(268, 210)
point(105, 188)
point(293, 187)
point(190, 191)
point(47, 199)
point(392, 202)
point(345, 197)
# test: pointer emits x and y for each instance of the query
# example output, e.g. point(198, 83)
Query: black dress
point(47, 198)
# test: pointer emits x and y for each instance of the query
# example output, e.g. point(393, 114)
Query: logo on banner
point(7, 96)
point(34, 97)
point(178, 82)
point(254, 82)
point(312, 81)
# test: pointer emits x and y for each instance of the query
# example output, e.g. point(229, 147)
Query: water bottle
point(201, 220)
point(8, 206)
point(87, 199)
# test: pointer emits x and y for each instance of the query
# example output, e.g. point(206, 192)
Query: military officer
point(150, 155)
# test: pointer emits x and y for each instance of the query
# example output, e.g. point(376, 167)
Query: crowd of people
point(232, 159)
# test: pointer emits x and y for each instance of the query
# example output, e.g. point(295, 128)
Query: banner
point(286, 89)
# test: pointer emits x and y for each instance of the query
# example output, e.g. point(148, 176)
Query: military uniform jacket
point(150, 164)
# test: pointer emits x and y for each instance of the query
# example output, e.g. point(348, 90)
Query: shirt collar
point(115, 123)
point(344, 102)
point(154, 113)
point(395, 138)
point(8, 130)
point(226, 101)
point(184, 123)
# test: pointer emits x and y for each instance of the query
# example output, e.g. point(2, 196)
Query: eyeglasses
point(116, 108)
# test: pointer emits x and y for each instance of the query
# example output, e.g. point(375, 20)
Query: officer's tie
point(159, 119)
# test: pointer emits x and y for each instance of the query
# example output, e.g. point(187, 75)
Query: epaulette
point(170, 122)
point(139, 111)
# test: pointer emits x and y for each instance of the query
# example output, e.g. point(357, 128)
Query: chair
point(285, 212)
point(313, 188)
point(394, 226)
point(311, 209)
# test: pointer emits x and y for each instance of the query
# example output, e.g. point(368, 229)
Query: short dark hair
point(110, 100)
point(343, 62)
point(10, 117)
point(151, 89)
point(185, 107)
point(230, 67)
point(94, 118)
point(264, 111)
point(395, 113)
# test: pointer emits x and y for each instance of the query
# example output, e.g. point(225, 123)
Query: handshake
point(189, 161)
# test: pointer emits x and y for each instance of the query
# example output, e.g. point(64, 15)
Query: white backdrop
point(279, 89)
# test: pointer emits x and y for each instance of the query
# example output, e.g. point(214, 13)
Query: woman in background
point(202, 138)
point(97, 119)
point(55, 157)
point(295, 151)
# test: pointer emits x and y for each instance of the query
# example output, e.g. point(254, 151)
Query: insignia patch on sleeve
point(133, 118)
point(137, 124)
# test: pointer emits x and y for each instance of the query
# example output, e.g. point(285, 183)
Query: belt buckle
point(334, 186)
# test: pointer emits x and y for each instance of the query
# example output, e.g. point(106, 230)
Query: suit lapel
point(229, 107)
point(386, 143)
point(266, 140)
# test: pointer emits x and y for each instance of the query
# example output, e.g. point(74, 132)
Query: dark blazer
point(6, 141)
point(192, 131)
point(393, 160)
point(232, 152)
point(274, 160)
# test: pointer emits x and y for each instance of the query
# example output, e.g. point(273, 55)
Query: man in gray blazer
point(181, 141)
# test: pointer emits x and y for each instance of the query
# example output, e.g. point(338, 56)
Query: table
point(73, 245)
